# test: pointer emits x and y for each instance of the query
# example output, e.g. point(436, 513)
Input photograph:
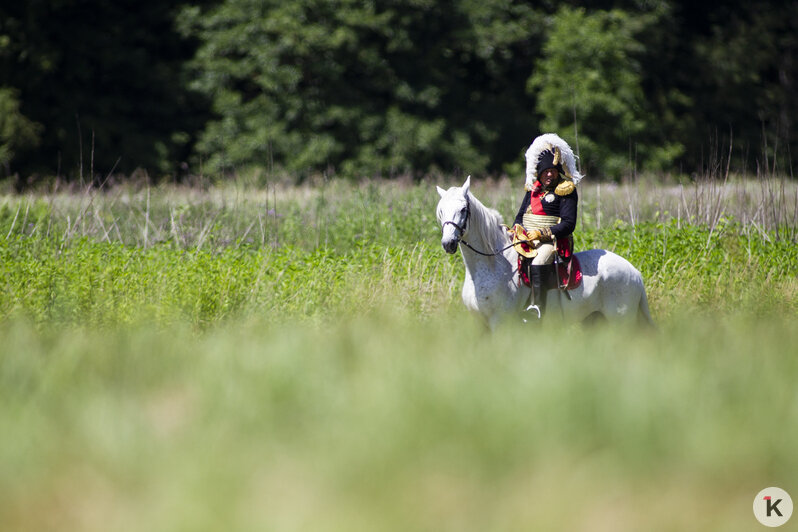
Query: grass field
point(297, 358)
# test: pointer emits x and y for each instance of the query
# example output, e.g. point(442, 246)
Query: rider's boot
point(536, 281)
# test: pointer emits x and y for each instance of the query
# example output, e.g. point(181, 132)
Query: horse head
point(453, 211)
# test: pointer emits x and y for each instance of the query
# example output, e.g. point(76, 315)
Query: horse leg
point(594, 318)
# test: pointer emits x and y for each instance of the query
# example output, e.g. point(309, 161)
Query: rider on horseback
point(547, 216)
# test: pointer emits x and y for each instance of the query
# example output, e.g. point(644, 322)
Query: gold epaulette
point(565, 188)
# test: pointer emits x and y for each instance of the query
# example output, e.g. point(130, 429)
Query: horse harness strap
point(462, 232)
point(465, 222)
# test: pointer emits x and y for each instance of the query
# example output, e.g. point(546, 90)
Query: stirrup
point(531, 308)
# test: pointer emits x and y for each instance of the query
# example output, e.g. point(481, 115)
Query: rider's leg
point(536, 277)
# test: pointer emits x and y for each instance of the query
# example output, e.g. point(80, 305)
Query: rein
point(502, 250)
point(469, 246)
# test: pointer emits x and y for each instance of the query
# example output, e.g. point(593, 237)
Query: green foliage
point(347, 86)
point(590, 80)
point(408, 87)
point(16, 130)
point(738, 90)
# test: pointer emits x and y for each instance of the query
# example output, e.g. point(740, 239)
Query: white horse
point(611, 286)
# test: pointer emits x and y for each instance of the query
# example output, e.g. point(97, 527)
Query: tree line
point(394, 87)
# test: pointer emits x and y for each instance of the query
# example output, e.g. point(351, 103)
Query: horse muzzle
point(450, 245)
point(451, 235)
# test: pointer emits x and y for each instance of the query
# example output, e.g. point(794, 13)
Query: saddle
point(568, 274)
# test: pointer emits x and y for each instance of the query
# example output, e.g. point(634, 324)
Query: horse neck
point(484, 232)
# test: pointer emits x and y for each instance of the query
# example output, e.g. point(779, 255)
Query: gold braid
point(564, 188)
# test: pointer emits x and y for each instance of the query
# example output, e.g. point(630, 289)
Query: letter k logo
point(772, 506)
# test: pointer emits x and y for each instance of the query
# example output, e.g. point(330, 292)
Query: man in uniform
point(547, 216)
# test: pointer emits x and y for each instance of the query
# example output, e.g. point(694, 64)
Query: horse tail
point(643, 312)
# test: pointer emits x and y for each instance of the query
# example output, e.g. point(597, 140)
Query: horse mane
point(485, 223)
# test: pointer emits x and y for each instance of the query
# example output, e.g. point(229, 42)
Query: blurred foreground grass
point(393, 423)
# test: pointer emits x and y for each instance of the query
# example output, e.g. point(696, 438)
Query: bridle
point(462, 230)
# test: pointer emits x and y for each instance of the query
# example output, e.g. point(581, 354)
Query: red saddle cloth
point(569, 271)
point(573, 278)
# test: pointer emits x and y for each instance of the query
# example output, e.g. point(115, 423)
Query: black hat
point(546, 161)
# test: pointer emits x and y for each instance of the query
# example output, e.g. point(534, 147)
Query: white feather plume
point(544, 142)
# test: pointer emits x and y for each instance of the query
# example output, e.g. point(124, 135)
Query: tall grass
point(331, 214)
point(339, 212)
point(173, 254)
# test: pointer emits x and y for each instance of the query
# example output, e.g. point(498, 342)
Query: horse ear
point(467, 184)
point(441, 192)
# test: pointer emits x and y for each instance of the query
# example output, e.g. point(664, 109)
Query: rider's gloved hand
point(534, 234)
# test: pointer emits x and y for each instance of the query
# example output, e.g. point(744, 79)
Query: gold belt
point(539, 221)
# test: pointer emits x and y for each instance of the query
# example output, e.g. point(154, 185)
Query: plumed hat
point(550, 151)
point(546, 161)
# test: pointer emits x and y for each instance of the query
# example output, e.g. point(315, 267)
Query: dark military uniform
point(540, 202)
point(547, 216)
